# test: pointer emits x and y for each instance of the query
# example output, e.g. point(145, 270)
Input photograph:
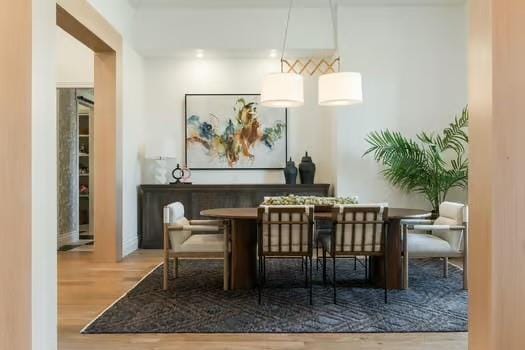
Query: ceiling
point(280, 3)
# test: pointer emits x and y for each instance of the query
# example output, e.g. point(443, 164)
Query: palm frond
point(420, 165)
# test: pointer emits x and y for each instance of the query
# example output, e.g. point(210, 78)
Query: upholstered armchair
point(445, 237)
point(185, 238)
point(285, 231)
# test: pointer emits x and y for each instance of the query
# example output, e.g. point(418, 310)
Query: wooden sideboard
point(152, 198)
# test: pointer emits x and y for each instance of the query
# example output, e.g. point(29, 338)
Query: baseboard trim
point(130, 246)
point(67, 238)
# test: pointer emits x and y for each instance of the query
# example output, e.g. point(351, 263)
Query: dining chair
point(285, 232)
point(185, 238)
point(445, 237)
point(358, 230)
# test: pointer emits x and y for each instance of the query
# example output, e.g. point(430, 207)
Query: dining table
point(243, 224)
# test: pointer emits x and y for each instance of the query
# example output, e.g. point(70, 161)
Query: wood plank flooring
point(87, 288)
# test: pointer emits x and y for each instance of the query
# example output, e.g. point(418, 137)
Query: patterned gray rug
point(199, 305)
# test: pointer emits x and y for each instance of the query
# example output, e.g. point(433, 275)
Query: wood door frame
point(86, 25)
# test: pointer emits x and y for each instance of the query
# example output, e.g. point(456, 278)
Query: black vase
point(307, 170)
point(290, 172)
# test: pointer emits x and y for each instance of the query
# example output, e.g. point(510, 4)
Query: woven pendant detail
point(310, 65)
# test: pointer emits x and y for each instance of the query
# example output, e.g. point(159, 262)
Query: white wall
point(165, 31)
point(132, 143)
point(168, 80)
point(413, 61)
point(74, 61)
point(44, 190)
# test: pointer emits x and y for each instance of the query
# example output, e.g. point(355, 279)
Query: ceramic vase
point(307, 170)
point(290, 172)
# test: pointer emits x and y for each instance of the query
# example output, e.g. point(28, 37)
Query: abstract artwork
point(234, 132)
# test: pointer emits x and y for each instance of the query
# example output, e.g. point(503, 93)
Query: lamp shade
point(282, 90)
point(340, 89)
point(161, 149)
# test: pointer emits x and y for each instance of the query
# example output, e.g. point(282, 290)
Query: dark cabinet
point(152, 199)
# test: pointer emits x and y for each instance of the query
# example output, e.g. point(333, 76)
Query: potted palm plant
point(431, 165)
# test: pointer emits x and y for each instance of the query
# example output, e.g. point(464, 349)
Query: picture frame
point(233, 132)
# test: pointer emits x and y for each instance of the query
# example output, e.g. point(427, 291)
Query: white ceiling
point(280, 3)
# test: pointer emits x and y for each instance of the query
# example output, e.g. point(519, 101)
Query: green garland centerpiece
point(309, 200)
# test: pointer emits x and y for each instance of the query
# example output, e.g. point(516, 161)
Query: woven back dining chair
point(285, 232)
point(358, 230)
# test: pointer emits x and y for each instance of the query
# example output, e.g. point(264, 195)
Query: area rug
point(197, 304)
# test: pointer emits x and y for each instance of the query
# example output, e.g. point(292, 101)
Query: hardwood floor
point(87, 288)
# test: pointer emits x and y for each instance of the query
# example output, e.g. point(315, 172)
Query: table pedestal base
point(244, 254)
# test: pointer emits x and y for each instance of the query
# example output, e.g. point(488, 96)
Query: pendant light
point(283, 90)
point(340, 88)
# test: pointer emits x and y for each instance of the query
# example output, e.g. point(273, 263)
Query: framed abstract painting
point(233, 131)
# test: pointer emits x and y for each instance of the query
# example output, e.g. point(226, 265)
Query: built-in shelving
point(85, 164)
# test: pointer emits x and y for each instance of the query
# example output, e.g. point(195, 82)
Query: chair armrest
point(437, 228)
point(194, 228)
point(175, 227)
point(201, 228)
point(207, 222)
point(413, 222)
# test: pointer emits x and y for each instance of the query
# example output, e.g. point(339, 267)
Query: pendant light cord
point(286, 29)
point(333, 12)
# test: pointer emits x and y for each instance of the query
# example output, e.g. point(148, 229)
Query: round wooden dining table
point(244, 245)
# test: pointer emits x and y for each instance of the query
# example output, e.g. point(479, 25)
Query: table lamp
point(161, 151)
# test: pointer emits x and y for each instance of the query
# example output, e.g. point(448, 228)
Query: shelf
point(83, 195)
point(83, 155)
point(83, 135)
point(85, 175)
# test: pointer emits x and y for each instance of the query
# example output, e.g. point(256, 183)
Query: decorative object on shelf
point(290, 172)
point(177, 174)
point(84, 189)
point(431, 165)
point(160, 152)
point(307, 170)
point(83, 170)
point(83, 149)
point(336, 88)
point(231, 131)
point(187, 175)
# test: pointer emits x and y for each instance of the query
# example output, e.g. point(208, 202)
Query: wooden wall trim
point(15, 174)
point(80, 32)
point(108, 240)
point(497, 189)
point(82, 21)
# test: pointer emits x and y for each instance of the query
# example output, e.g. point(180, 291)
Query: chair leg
point(317, 256)
point(366, 268)
point(355, 263)
point(175, 267)
point(405, 257)
point(324, 266)
point(259, 279)
point(311, 284)
point(385, 279)
point(445, 267)
point(334, 279)
point(264, 269)
point(465, 272)
point(226, 268)
point(305, 260)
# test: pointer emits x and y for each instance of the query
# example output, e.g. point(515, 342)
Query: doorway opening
point(91, 137)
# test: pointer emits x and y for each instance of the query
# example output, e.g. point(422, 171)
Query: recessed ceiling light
point(199, 54)
point(273, 53)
